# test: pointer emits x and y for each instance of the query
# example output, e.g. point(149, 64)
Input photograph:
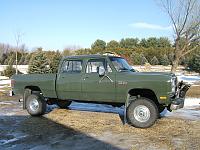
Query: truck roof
point(91, 56)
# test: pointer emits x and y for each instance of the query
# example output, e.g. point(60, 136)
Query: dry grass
point(164, 132)
point(194, 91)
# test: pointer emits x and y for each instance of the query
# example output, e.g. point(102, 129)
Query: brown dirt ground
point(194, 91)
point(167, 133)
point(74, 129)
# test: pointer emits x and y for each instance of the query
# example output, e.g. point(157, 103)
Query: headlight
point(173, 83)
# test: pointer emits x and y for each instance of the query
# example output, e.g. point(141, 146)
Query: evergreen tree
point(67, 52)
point(165, 61)
point(22, 60)
point(38, 63)
point(84, 51)
point(129, 43)
point(98, 46)
point(54, 61)
point(3, 58)
point(112, 46)
point(27, 59)
point(136, 58)
point(154, 61)
point(194, 63)
point(143, 60)
point(9, 71)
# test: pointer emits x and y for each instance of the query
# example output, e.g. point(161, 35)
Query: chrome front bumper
point(177, 104)
point(179, 98)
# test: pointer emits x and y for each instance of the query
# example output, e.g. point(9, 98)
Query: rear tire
point(142, 113)
point(35, 105)
point(63, 103)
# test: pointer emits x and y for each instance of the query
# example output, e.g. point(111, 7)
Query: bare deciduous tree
point(185, 18)
point(18, 37)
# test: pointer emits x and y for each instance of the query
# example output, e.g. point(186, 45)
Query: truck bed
point(46, 82)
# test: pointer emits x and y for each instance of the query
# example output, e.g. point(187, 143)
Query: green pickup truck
point(106, 79)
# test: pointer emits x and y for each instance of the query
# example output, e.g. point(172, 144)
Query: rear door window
point(72, 66)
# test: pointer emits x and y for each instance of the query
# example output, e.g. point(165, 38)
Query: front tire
point(36, 105)
point(142, 113)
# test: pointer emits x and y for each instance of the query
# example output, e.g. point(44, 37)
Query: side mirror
point(101, 71)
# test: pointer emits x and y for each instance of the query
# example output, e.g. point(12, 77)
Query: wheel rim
point(141, 113)
point(34, 105)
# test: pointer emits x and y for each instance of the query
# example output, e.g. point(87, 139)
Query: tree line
point(155, 51)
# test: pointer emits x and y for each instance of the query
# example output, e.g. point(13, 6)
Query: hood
point(150, 76)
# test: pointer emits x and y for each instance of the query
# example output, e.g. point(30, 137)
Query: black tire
point(40, 107)
point(142, 113)
point(63, 103)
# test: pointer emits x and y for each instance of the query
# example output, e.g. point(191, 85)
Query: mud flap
point(27, 92)
point(129, 98)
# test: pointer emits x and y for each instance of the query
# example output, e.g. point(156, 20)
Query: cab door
point(95, 87)
point(68, 84)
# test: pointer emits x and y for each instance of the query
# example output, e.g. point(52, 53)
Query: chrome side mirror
point(101, 71)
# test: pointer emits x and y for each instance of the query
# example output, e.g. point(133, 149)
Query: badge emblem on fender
point(122, 82)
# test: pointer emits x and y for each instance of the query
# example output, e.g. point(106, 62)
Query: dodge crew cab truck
point(106, 79)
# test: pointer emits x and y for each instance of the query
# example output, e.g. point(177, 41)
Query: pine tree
point(54, 61)
point(135, 58)
point(165, 61)
point(38, 63)
point(154, 61)
point(27, 59)
point(194, 63)
point(9, 71)
point(143, 60)
point(22, 59)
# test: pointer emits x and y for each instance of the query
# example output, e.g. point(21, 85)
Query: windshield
point(121, 64)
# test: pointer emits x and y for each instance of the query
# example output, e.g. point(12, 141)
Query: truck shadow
point(91, 107)
point(26, 132)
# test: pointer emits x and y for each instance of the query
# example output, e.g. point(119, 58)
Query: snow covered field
point(189, 79)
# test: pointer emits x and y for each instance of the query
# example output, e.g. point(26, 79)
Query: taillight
point(13, 82)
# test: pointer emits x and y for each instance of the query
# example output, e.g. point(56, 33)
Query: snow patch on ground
point(3, 77)
point(5, 103)
point(10, 111)
point(190, 111)
point(188, 79)
point(192, 102)
point(3, 82)
point(15, 137)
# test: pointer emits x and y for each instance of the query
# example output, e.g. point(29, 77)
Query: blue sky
point(56, 24)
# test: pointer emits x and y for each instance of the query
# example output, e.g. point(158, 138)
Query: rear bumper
point(177, 104)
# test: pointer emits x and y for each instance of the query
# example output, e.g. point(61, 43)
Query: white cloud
point(144, 25)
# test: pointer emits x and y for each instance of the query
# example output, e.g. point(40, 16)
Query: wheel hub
point(34, 105)
point(141, 113)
